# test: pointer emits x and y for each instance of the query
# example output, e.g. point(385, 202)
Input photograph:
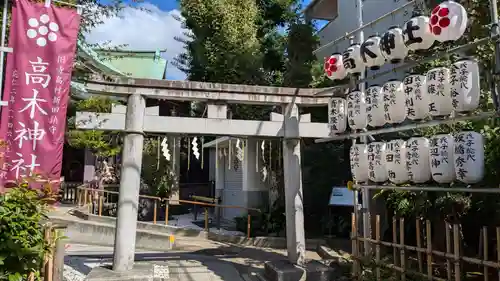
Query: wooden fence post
point(485, 252)
point(498, 248)
point(456, 250)
point(448, 249)
point(402, 249)
point(249, 225)
point(395, 242)
point(166, 211)
point(377, 247)
point(48, 265)
point(428, 241)
point(354, 237)
point(59, 252)
point(206, 220)
point(154, 211)
point(418, 224)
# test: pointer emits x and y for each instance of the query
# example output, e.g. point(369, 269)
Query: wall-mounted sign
point(341, 196)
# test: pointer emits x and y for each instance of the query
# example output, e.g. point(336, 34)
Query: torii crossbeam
point(135, 121)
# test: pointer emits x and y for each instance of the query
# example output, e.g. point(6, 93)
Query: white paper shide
point(377, 171)
point(395, 158)
point(375, 106)
point(441, 158)
point(356, 110)
point(469, 157)
point(439, 91)
point(359, 162)
point(394, 102)
point(337, 115)
point(417, 160)
point(465, 85)
point(417, 100)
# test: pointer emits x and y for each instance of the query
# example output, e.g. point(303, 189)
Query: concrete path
point(179, 267)
point(192, 259)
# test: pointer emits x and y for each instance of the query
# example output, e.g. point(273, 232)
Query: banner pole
point(3, 50)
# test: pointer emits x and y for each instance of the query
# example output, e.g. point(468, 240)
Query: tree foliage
point(100, 143)
point(277, 52)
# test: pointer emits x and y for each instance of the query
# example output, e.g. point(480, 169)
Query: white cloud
point(144, 30)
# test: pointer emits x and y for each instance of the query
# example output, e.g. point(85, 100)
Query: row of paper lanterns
point(444, 158)
point(447, 22)
point(438, 93)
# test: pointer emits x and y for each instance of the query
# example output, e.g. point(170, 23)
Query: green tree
point(280, 54)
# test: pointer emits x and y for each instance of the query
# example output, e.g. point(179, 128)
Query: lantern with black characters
point(393, 45)
point(353, 62)
point(417, 34)
point(371, 53)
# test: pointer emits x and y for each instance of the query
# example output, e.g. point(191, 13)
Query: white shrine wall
point(238, 183)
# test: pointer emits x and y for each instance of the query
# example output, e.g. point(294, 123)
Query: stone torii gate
point(290, 126)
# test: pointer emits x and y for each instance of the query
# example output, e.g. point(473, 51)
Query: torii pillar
point(130, 181)
point(294, 205)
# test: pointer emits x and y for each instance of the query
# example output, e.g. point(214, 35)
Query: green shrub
point(263, 224)
point(22, 244)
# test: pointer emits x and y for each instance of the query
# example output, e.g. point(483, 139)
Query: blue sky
point(153, 30)
point(168, 5)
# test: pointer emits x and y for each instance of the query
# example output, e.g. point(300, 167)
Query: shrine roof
point(322, 10)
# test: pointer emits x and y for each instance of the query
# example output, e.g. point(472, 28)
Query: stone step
point(103, 234)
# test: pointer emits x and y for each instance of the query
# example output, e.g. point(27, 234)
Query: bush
point(22, 243)
point(263, 224)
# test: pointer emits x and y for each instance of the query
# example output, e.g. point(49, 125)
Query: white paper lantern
point(469, 157)
point(337, 115)
point(353, 62)
point(393, 45)
point(394, 102)
point(465, 85)
point(356, 110)
point(417, 100)
point(417, 34)
point(334, 67)
point(395, 157)
point(377, 171)
point(441, 158)
point(448, 21)
point(439, 91)
point(359, 162)
point(371, 53)
point(375, 106)
point(417, 160)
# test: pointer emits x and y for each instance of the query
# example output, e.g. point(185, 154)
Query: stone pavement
point(192, 259)
point(198, 260)
point(178, 267)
